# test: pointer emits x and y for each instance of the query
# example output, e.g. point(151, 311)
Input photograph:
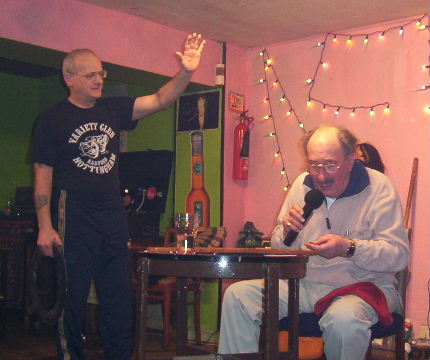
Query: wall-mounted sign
point(237, 102)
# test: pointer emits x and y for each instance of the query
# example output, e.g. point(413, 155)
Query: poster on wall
point(199, 111)
point(198, 156)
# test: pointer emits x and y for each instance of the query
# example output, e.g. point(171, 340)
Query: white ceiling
point(249, 23)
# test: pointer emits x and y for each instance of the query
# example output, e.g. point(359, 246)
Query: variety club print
point(92, 140)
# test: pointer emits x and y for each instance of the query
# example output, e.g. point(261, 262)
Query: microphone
point(313, 200)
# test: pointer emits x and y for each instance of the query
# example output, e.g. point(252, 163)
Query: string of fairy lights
point(420, 25)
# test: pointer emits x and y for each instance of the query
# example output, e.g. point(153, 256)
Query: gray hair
point(346, 139)
point(69, 60)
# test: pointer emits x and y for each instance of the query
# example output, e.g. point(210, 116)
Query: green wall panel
point(19, 107)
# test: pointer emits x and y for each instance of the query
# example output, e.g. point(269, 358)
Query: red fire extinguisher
point(241, 147)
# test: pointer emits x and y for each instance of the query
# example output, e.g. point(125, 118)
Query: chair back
point(403, 278)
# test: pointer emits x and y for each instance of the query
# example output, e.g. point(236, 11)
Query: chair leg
point(400, 345)
point(167, 306)
point(197, 327)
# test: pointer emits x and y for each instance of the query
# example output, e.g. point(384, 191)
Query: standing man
point(359, 235)
point(75, 155)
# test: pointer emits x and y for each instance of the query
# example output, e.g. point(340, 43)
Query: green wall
point(21, 101)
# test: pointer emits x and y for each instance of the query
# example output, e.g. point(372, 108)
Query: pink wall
point(116, 37)
point(234, 190)
point(387, 70)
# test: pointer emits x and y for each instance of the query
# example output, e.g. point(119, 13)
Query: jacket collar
point(358, 180)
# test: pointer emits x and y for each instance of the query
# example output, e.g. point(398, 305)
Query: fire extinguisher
point(241, 147)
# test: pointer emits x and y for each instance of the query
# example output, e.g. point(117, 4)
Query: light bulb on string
point(321, 43)
point(309, 81)
point(349, 41)
point(324, 64)
point(401, 31)
point(261, 81)
point(425, 67)
point(266, 100)
point(423, 27)
point(418, 24)
point(372, 112)
point(382, 35)
point(286, 188)
point(275, 83)
point(427, 109)
point(337, 111)
point(387, 109)
point(334, 38)
point(288, 113)
point(352, 113)
point(366, 40)
point(272, 134)
point(309, 103)
point(276, 154)
point(262, 52)
point(301, 125)
point(283, 171)
point(324, 109)
point(267, 117)
point(282, 99)
point(267, 64)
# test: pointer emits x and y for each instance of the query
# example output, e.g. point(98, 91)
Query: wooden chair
point(164, 292)
point(4, 264)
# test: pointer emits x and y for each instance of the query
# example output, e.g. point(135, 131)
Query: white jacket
point(369, 211)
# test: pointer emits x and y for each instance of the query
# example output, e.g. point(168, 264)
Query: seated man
point(359, 235)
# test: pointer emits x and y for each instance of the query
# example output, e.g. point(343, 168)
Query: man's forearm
point(42, 194)
point(170, 91)
point(164, 97)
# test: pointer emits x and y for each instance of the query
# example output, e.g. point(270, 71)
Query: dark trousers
point(95, 236)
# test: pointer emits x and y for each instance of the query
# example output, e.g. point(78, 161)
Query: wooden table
point(221, 263)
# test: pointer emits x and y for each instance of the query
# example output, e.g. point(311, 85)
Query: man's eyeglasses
point(315, 169)
point(93, 75)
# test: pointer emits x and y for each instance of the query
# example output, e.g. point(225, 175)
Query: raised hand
point(193, 47)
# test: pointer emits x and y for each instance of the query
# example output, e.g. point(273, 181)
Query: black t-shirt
point(82, 145)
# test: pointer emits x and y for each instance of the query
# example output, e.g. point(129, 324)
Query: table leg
point(181, 315)
point(293, 317)
point(141, 308)
point(271, 312)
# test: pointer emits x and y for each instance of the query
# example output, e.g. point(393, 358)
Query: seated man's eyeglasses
point(93, 75)
point(315, 169)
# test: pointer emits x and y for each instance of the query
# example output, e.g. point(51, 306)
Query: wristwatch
point(350, 250)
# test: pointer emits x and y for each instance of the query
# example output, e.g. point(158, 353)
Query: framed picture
point(237, 102)
point(198, 111)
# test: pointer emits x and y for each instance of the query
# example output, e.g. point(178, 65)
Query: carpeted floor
point(30, 342)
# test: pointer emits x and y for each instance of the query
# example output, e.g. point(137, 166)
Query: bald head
point(335, 134)
point(69, 62)
point(330, 153)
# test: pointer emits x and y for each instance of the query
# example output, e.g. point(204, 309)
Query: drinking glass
point(186, 226)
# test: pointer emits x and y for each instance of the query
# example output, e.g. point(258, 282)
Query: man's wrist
point(350, 250)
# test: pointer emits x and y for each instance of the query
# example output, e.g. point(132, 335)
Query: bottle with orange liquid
point(198, 201)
